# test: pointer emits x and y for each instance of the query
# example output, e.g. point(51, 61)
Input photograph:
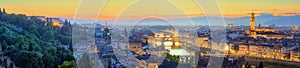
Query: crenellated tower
point(252, 21)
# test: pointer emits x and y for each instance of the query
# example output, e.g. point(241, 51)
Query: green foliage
point(49, 61)
point(3, 30)
point(27, 59)
point(63, 55)
point(51, 50)
point(172, 57)
point(67, 64)
point(4, 45)
point(48, 35)
point(33, 29)
point(32, 44)
point(236, 48)
point(247, 65)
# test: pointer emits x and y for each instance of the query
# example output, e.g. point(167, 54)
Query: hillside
point(33, 43)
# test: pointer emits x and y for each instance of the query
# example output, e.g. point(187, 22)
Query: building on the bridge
point(266, 32)
point(170, 41)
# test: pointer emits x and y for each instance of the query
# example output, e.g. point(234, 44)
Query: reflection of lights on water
point(179, 52)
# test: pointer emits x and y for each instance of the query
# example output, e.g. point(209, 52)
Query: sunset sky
point(229, 8)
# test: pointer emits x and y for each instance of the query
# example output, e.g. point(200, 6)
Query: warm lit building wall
point(202, 41)
point(264, 30)
point(271, 36)
point(243, 49)
point(261, 51)
point(153, 65)
point(135, 46)
point(295, 55)
point(253, 50)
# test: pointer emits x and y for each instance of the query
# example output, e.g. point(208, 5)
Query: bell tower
point(252, 21)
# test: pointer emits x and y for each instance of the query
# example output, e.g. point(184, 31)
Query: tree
point(261, 65)
point(63, 55)
point(30, 48)
point(247, 65)
point(33, 29)
point(4, 10)
point(66, 28)
point(51, 50)
point(0, 11)
point(236, 47)
point(10, 51)
point(66, 39)
point(32, 44)
point(50, 58)
point(3, 29)
point(172, 57)
point(49, 61)
point(28, 60)
point(4, 45)
point(67, 64)
point(48, 35)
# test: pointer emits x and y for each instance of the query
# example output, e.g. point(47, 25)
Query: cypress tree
point(4, 10)
point(0, 10)
point(4, 45)
point(30, 48)
point(261, 65)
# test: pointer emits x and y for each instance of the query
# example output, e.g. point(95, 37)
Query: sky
point(113, 8)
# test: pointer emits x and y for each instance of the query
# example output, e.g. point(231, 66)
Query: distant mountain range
point(263, 19)
point(267, 19)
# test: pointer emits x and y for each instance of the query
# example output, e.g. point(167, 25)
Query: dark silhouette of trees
point(261, 65)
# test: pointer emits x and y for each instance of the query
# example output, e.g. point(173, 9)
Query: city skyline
point(149, 34)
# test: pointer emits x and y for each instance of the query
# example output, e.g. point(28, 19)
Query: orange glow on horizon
point(229, 8)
